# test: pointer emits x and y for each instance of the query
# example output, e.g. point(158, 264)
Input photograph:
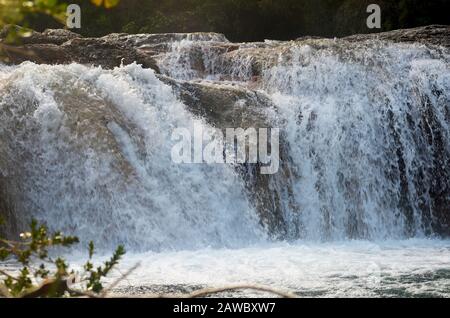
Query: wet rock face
point(432, 34)
point(224, 106)
point(11, 206)
point(106, 53)
point(63, 46)
point(11, 190)
point(49, 36)
point(5, 209)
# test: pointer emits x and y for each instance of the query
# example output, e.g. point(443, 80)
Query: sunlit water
point(367, 131)
point(412, 268)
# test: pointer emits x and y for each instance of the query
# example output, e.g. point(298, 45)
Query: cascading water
point(366, 127)
point(365, 155)
point(369, 135)
point(96, 151)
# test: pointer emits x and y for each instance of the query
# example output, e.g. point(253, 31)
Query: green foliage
point(39, 14)
point(106, 3)
point(28, 13)
point(51, 277)
point(22, 12)
point(250, 20)
point(94, 276)
point(17, 11)
point(240, 20)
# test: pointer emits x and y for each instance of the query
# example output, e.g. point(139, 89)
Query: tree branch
point(121, 278)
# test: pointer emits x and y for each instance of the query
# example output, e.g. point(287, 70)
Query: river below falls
point(410, 268)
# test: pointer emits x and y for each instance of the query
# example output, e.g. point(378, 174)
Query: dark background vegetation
point(254, 20)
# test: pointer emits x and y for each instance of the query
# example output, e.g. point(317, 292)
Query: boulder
point(235, 106)
point(222, 105)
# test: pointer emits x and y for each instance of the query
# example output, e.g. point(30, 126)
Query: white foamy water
point(412, 268)
point(366, 126)
point(98, 147)
point(365, 181)
point(358, 122)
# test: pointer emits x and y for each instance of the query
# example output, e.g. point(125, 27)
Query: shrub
point(42, 275)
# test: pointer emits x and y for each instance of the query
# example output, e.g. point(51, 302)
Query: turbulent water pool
point(410, 268)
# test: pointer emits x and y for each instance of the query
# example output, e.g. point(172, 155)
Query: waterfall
point(92, 149)
point(369, 135)
point(365, 145)
point(367, 127)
